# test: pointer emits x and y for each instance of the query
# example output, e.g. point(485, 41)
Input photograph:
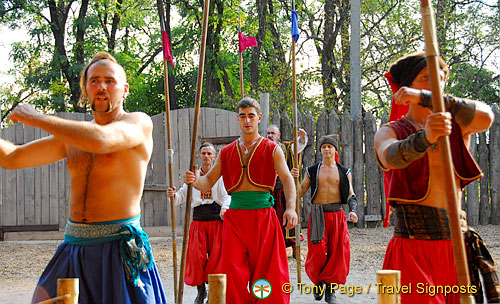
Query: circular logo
point(261, 289)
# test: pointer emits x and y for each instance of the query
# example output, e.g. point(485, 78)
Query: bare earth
point(22, 262)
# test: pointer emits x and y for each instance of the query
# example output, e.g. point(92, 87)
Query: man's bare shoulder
point(139, 118)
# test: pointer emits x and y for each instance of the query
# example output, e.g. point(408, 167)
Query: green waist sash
point(135, 250)
point(251, 200)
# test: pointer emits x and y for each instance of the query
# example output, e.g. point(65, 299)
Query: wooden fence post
point(358, 168)
point(346, 140)
point(308, 160)
point(473, 189)
point(286, 129)
point(373, 201)
point(484, 203)
point(333, 123)
point(494, 165)
point(321, 130)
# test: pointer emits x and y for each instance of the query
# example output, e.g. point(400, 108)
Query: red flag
point(167, 52)
point(245, 41)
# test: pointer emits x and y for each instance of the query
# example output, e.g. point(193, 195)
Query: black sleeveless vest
point(344, 182)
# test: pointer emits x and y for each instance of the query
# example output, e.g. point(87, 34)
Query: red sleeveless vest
point(411, 184)
point(260, 169)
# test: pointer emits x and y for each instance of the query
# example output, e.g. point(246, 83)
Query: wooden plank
point(185, 138)
point(223, 140)
point(20, 204)
point(373, 201)
point(45, 190)
point(334, 126)
point(383, 120)
point(321, 130)
point(358, 169)
point(286, 129)
point(53, 193)
point(276, 119)
point(159, 171)
point(473, 189)
point(494, 167)
point(308, 160)
point(29, 183)
point(209, 123)
point(346, 143)
point(176, 166)
point(484, 202)
point(37, 187)
point(9, 209)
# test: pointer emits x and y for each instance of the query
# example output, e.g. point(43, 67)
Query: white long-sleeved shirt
point(217, 194)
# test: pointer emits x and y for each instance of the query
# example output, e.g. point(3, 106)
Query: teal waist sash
point(135, 250)
point(251, 200)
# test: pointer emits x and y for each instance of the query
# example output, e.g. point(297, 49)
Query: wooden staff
point(199, 88)
point(67, 292)
point(390, 281)
point(170, 151)
point(241, 55)
point(298, 257)
point(432, 55)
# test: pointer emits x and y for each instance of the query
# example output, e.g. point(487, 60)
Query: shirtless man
point(328, 242)
point(205, 232)
point(107, 160)
point(421, 247)
point(253, 247)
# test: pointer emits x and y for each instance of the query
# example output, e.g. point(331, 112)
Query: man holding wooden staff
point(104, 246)
point(253, 248)
point(205, 232)
point(274, 134)
point(328, 242)
point(406, 150)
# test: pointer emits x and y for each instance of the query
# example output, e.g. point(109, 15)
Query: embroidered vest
point(313, 173)
point(259, 170)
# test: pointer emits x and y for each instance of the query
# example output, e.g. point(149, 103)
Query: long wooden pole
point(241, 55)
point(170, 151)
point(432, 54)
point(217, 288)
point(199, 84)
point(298, 256)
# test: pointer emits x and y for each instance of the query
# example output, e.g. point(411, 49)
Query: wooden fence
point(39, 196)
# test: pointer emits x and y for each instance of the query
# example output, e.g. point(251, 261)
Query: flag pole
point(241, 55)
point(432, 54)
point(170, 151)
point(298, 256)
point(199, 84)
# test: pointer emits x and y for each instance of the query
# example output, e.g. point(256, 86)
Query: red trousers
point(203, 256)
point(423, 264)
point(253, 249)
point(329, 260)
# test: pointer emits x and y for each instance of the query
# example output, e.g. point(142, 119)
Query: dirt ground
point(22, 262)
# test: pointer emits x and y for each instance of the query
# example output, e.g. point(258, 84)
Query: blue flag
point(295, 27)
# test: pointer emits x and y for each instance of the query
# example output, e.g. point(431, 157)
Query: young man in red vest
point(252, 242)
point(406, 150)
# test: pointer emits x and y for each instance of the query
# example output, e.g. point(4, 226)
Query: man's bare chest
point(328, 176)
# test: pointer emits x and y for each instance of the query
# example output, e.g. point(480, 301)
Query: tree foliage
point(66, 33)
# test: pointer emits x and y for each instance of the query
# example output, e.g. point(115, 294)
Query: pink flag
point(167, 52)
point(245, 41)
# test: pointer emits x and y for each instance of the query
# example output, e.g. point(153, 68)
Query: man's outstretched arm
point(123, 134)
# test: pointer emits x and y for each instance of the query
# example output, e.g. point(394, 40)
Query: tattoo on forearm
point(401, 153)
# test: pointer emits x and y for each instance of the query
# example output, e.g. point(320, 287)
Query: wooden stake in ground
point(432, 54)
point(170, 151)
point(217, 288)
point(390, 282)
point(199, 84)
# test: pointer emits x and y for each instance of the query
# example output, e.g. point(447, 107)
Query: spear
point(295, 36)
point(241, 56)
point(432, 55)
point(199, 88)
point(170, 151)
